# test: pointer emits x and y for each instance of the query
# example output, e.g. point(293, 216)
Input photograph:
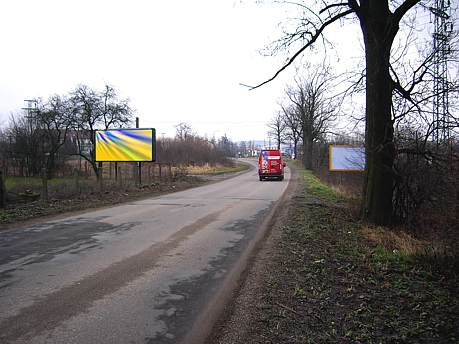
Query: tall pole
point(139, 166)
point(441, 36)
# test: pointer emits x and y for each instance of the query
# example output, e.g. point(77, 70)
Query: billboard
point(347, 159)
point(125, 145)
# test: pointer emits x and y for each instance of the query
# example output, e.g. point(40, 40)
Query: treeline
point(52, 132)
point(189, 148)
point(426, 169)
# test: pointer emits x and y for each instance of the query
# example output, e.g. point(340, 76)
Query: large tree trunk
point(379, 32)
point(308, 155)
point(307, 140)
point(307, 152)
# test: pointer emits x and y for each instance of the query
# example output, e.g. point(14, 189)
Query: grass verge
point(330, 283)
point(17, 213)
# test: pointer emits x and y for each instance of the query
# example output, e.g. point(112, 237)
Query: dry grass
point(216, 169)
point(438, 254)
point(388, 239)
point(326, 283)
point(433, 242)
point(206, 169)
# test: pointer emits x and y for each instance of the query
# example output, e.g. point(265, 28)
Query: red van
point(270, 164)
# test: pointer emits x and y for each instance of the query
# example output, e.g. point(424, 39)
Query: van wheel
point(261, 178)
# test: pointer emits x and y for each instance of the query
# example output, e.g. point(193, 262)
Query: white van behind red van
point(271, 164)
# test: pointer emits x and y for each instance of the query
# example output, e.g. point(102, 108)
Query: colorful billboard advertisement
point(125, 145)
point(347, 159)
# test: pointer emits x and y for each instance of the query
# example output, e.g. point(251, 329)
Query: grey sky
point(178, 61)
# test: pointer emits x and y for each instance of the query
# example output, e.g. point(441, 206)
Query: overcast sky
point(177, 61)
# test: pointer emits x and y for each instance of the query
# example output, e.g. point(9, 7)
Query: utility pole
point(441, 39)
point(139, 164)
point(31, 108)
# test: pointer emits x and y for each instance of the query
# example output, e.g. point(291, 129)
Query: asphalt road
point(153, 271)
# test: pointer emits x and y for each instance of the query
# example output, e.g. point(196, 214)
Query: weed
point(353, 284)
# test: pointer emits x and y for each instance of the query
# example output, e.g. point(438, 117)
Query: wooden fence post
point(120, 179)
point(160, 174)
point(45, 183)
point(75, 182)
point(135, 172)
point(101, 178)
point(149, 174)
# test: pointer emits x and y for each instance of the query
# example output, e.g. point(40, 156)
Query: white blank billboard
point(347, 159)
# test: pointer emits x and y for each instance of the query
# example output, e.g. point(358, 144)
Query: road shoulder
point(239, 319)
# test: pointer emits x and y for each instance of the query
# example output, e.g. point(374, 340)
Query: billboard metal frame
point(125, 145)
point(347, 159)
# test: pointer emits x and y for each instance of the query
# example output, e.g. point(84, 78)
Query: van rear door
point(270, 164)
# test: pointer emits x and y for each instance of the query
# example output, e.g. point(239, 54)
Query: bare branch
point(328, 7)
point(404, 8)
point(308, 44)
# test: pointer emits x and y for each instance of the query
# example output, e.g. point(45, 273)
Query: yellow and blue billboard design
point(125, 145)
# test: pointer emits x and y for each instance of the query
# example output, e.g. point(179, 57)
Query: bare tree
point(55, 120)
point(380, 22)
point(38, 137)
point(26, 143)
point(277, 128)
point(97, 110)
point(292, 126)
point(182, 131)
point(313, 108)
